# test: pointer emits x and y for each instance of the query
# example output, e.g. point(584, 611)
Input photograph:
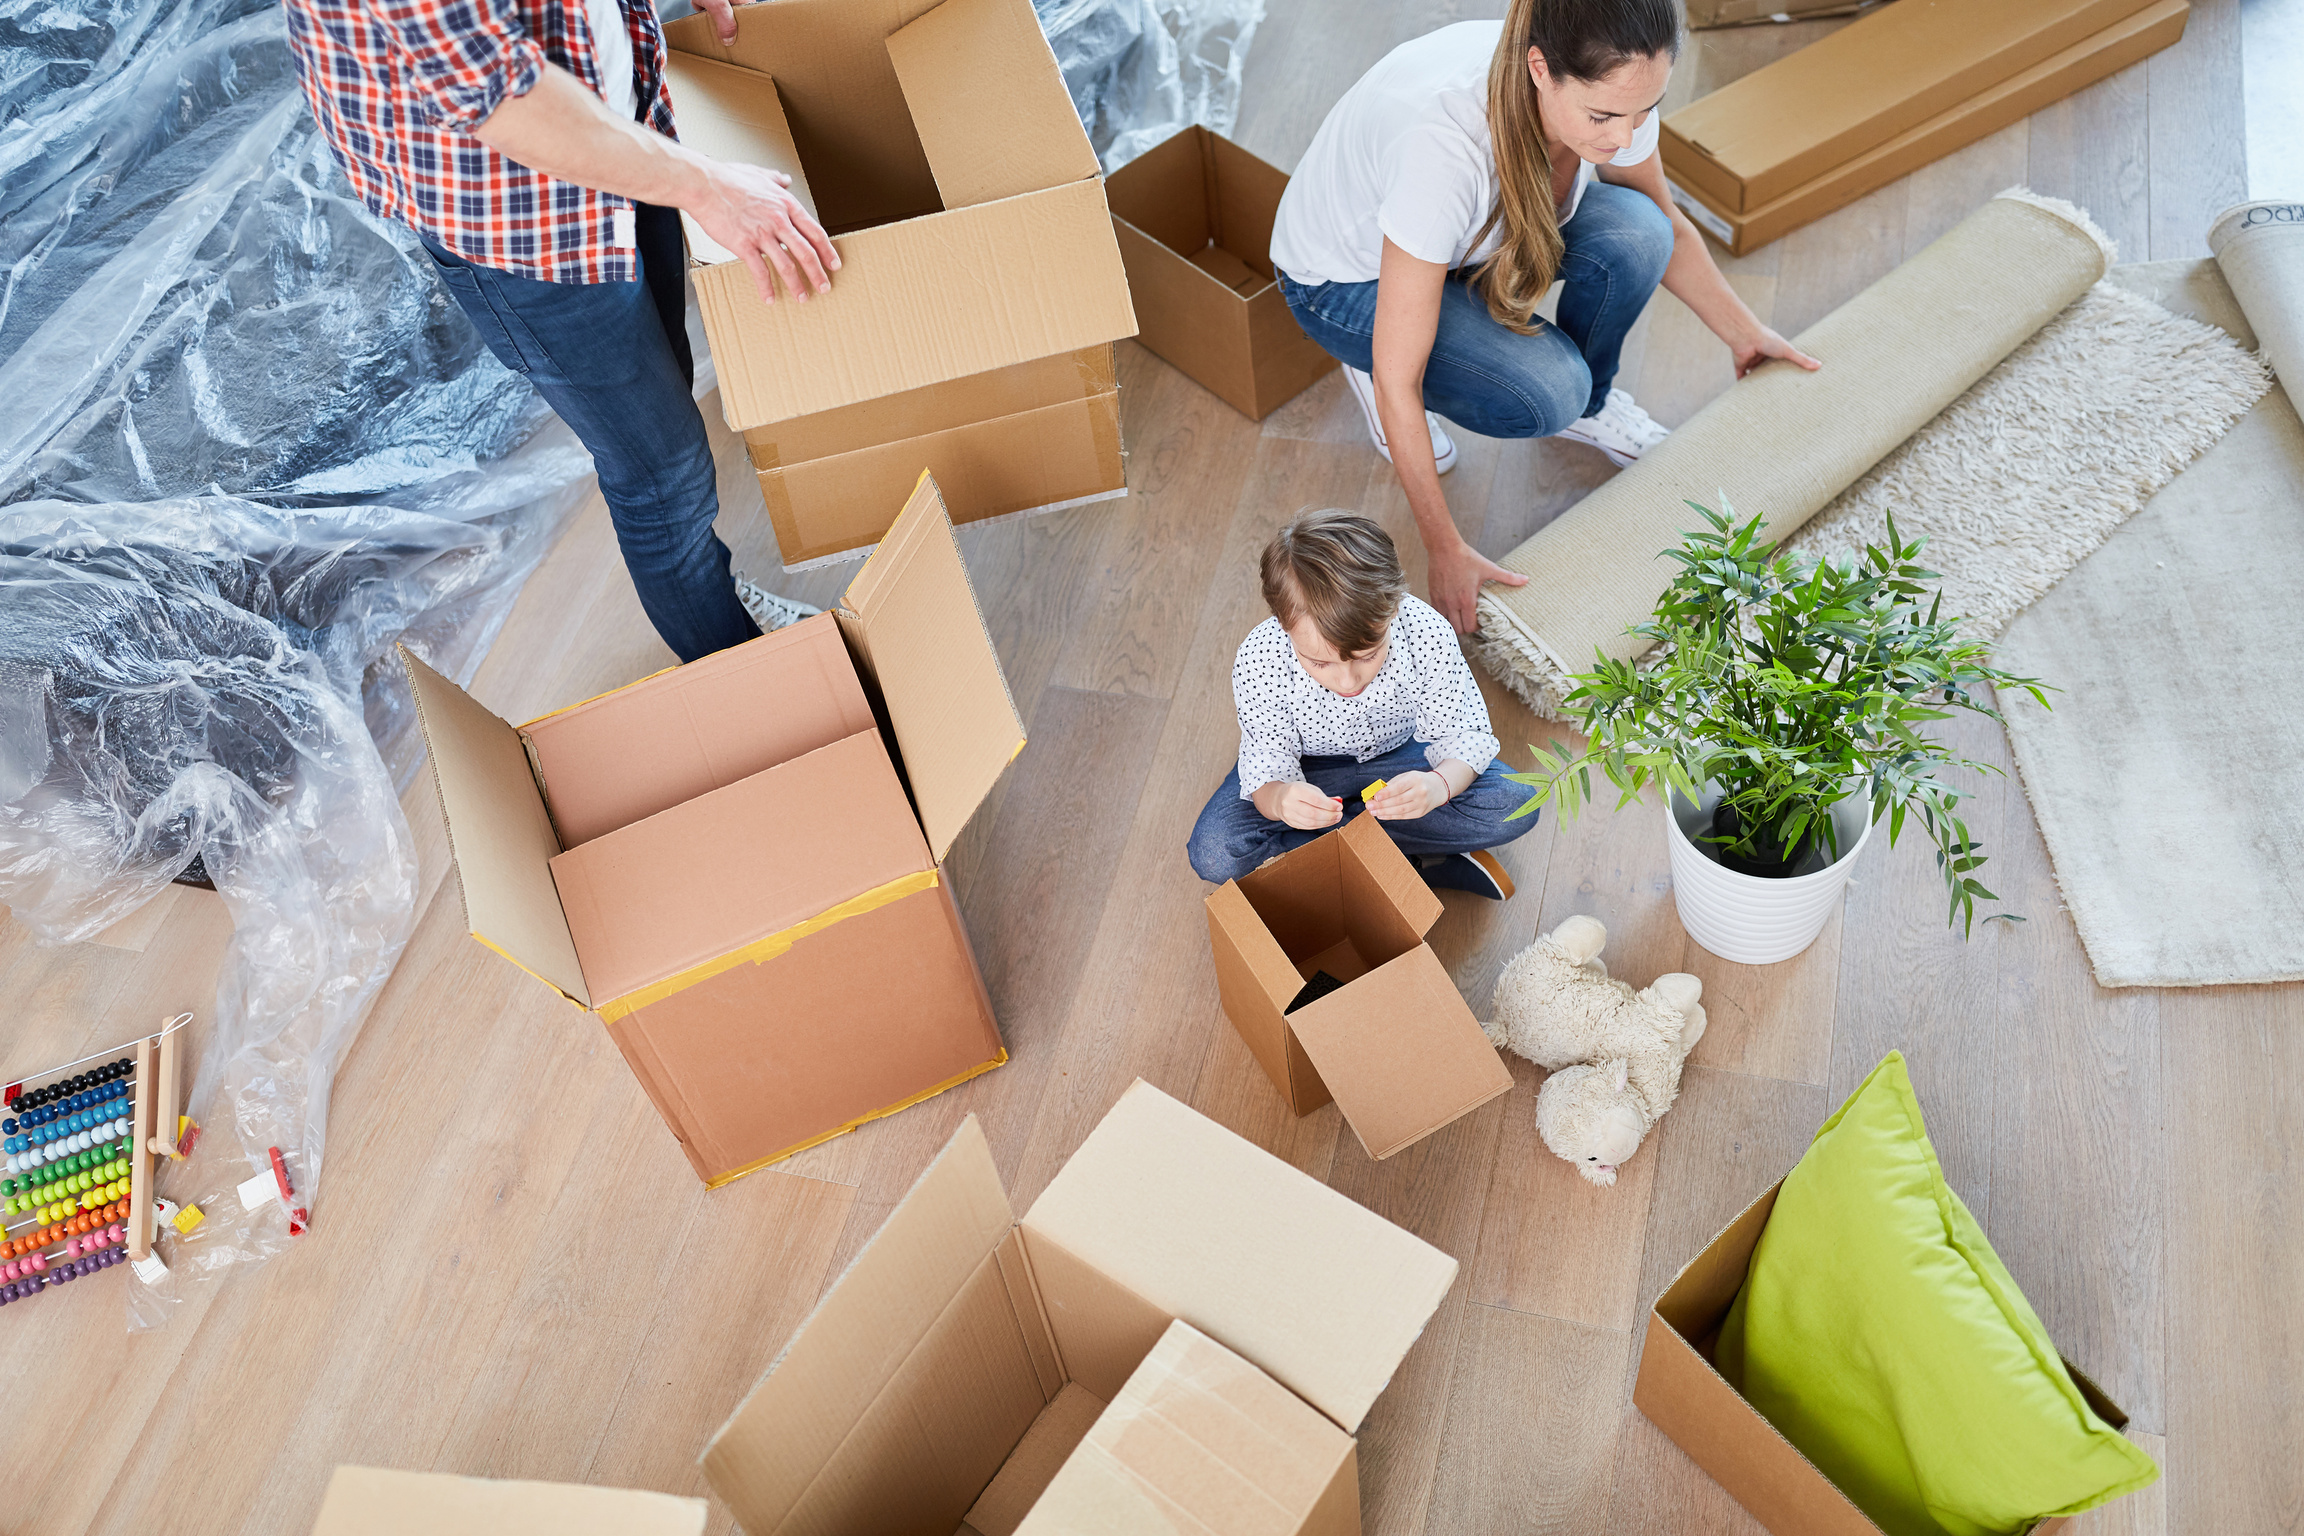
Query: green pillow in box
point(1881, 1334)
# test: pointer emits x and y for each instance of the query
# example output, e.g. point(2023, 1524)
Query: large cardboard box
point(371, 1501)
point(1394, 1046)
point(735, 863)
point(1685, 1396)
point(2107, 53)
point(937, 144)
point(970, 1367)
point(1782, 126)
point(1194, 218)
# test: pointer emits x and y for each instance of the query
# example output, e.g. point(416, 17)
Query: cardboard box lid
point(1198, 1440)
point(912, 621)
point(498, 834)
point(735, 114)
point(861, 1334)
point(989, 103)
point(370, 1501)
point(1321, 1293)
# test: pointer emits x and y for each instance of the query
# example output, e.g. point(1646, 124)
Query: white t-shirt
point(1405, 156)
point(612, 47)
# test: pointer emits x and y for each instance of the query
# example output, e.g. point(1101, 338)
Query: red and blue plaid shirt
point(397, 85)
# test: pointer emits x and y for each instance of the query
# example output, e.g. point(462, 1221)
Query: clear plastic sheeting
point(249, 445)
point(1141, 71)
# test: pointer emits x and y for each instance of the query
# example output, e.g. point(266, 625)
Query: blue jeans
point(613, 360)
point(1492, 379)
point(1233, 837)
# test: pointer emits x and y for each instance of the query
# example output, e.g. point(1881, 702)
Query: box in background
point(966, 1359)
point(939, 147)
point(773, 980)
point(1684, 1395)
point(1194, 220)
point(1394, 1046)
point(370, 1501)
point(2095, 58)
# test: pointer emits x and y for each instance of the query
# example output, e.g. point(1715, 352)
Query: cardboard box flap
point(498, 834)
point(1400, 1052)
point(989, 102)
point(1198, 1440)
point(1381, 862)
point(733, 114)
point(1025, 1475)
point(912, 618)
point(1258, 953)
point(860, 1335)
point(370, 1501)
point(1323, 1294)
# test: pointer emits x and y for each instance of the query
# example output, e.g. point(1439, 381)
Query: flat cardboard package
point(722, 861)
point(1782, 126)
point(1682, 1394)
point(1393, 1046)
point(969, 1367)
point(1194, 219)
point(2094, 58)
point(937, 144)
point(371, 1501)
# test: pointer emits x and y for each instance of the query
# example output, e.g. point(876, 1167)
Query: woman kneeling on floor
point(1350, 681)
point(1439, 201)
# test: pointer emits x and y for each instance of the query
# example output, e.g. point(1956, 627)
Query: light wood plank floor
point(513, 1272)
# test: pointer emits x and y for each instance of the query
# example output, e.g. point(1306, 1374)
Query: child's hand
point(1305, 808)
point(1409, 795)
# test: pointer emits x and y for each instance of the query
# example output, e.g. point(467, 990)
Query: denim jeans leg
point(1233, 838)
point(604, 355)
point(1618, 246)
point(1473, 819)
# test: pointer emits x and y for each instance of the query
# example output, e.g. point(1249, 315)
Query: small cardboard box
point(958, 1374)
point(722, 861)
point(1785, 125)
point(370, 1501)
point(1682, 1394)
point(1394, 1046)
point(939, 147)
point(1194, 218)
point(2084, 63)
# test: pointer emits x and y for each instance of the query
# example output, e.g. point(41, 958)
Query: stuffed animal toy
point(1614, 1054)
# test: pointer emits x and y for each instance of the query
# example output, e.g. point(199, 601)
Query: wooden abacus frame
point(153, 1119)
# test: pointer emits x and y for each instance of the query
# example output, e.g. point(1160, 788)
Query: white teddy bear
point(1614, 1054)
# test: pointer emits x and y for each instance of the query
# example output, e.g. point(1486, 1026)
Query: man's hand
point(1406, 796)
point(748, 210)
point(1299, 805)
point(1455, 577)
point(1763, 344)
point(723, 19)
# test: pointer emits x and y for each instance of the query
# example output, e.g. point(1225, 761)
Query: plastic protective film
point(1142, 71)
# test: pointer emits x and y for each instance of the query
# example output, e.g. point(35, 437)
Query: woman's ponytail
point(1581, 40)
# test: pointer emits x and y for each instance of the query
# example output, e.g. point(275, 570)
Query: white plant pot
point(1750, 919)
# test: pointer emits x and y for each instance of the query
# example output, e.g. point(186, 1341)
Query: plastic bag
point(1141, 71)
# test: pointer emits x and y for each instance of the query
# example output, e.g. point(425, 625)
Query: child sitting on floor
point(1351, 680)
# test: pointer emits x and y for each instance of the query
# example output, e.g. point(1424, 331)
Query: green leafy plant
point(1792, 683)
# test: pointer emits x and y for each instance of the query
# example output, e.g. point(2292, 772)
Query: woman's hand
point(1758, 346)
point(1407, 796)
point(1299, 805)
point(1455, 575)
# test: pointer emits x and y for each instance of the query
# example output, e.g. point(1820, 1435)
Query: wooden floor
point(513, 1272)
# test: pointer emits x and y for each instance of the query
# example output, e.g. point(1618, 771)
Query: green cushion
point(1881, 1334)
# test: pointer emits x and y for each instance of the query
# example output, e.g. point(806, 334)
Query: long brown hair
point(1581, 40)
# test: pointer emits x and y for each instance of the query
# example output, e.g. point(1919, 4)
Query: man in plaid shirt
point(529, 144)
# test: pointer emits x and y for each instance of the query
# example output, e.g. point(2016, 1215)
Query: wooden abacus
point(83, 1154)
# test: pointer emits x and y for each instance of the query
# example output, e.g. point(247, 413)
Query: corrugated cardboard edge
point(761, 950)
point(864, 551)
point(925, 1094)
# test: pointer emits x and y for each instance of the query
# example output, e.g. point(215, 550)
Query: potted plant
point(1784, 713)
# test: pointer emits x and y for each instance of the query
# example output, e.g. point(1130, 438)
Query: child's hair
point(1341, 569)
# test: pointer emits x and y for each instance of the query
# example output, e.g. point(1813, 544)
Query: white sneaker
point(770, 611)
point(1364, 391)
point(1622, 430)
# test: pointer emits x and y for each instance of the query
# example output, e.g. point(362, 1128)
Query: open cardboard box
point(1783, 126)
point(1685, 1396)
point(970, 1368)
point(734, 863)
point(1194, 218)
point(2093, 58)
point(939, 147)
point(371, 1501)
point(1394, 1047)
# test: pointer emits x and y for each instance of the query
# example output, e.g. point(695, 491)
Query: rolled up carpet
point(1783, 442)
point(2260, 249)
